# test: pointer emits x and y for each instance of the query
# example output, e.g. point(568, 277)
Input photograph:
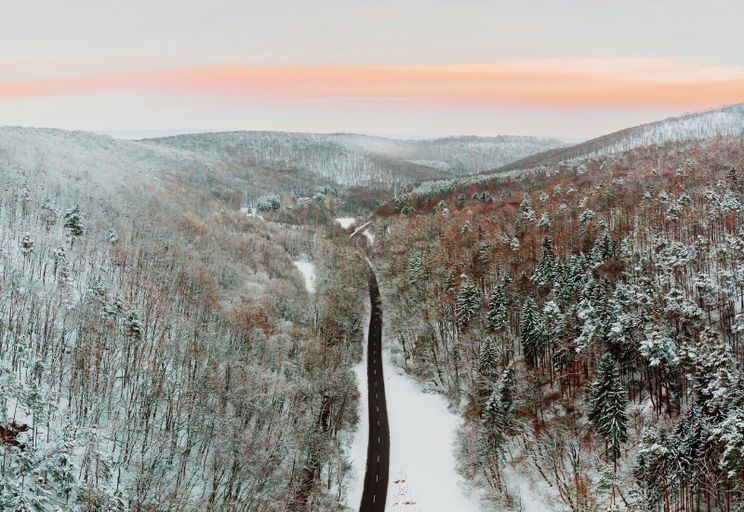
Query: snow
point(422, 469)
point(345, 222)
point(358, 448)
point(307, 269)
point(531, 495)
point(363, 228)
point(251, 212)
point(423, 436)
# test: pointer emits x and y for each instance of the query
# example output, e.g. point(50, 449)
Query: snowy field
point(307, 269)
point(345, 222)
point(422, 443)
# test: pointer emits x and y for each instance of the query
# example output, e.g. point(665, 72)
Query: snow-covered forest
point(182, 320)
point(158, 348)
point(349, 159)
point(586, 321)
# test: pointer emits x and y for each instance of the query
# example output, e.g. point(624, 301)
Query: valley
point(183, 321)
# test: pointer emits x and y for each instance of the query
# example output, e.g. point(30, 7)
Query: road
point(378, 445)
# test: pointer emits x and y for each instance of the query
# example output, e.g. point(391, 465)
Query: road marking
point(377, 397)
point(378, 458)
point(378, 439)
point(377, 478)
point(378, 408)
point(374, 497)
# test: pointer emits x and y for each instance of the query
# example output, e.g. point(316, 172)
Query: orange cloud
point(612, 81)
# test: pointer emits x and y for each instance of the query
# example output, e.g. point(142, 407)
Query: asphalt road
point(378, 446)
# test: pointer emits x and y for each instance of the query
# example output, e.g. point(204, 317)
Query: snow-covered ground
point(358, 448)
point(251, 212)
point(307, 269)
point(423, 434)
point(345, 222)
point(422, 442)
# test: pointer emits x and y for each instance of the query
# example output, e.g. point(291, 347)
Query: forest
point(586, 320)
point(158, 350)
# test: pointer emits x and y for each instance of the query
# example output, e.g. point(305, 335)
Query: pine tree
point(416, 270)
point(531, 331)
point(468, 302)
point(498, 410)
point(526, 210)
point(607, 406)
point(74, 223)
point(488, 359)
point(602, 249)
point(735, 180)
point(27, 245)
point(715, 373)
point(449, 281)
point(497, 304)
point(132, 326)
point(731, 433)
point(544, 273)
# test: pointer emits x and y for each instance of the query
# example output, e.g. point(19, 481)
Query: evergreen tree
point(731, 432)
point(488, 359)
point(74, 223)
point(544, 273)
point(449, 281)
point(27, 245)
point(416, 270)
point(498, 410)
point(602, 249)
point(132, 326)
point(468, 302)
point(544, 221)
point(526, 210)
point(497, 304)
point(268, 203)
point(715, 373)
point(531, 331)
point(607, 406)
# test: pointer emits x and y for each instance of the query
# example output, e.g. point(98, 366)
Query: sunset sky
point(574, 69)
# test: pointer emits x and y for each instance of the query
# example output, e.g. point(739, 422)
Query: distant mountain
point(359, 160)
point(722, 122)
point(725, 122)
point(112, 163)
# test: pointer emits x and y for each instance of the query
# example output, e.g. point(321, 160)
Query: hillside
point(110, 163)
point(358, 160)
point(675, 132)
point(585, 320)
point(158, 349)
point(723, 122)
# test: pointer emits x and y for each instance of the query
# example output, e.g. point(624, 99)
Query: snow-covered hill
point(353, 160)
point(723, 122)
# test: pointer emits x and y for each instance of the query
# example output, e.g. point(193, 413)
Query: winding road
point(374, 494)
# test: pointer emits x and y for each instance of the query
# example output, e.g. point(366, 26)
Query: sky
point(574, 69)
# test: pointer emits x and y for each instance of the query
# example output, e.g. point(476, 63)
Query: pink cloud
point(596, 81)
